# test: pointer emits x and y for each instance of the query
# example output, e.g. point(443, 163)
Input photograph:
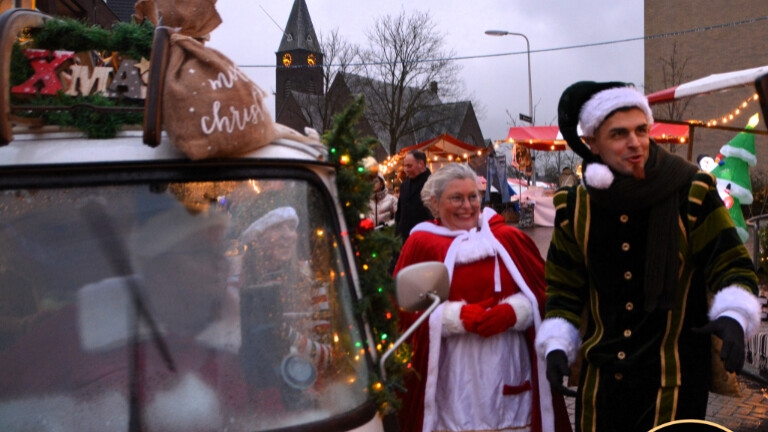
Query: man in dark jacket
point(410, 208)
point(646, 247)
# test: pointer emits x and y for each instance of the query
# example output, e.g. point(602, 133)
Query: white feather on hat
point(274, 217)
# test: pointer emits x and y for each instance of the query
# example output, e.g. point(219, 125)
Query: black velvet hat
point(569, 108)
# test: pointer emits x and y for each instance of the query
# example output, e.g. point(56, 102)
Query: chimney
point(433, 87)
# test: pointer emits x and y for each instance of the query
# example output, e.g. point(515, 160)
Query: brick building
point(704, 37)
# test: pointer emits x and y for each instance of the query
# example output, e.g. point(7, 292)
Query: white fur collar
point(473, 244)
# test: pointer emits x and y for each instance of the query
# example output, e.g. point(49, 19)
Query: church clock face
point(287, 60)
point(311, 60)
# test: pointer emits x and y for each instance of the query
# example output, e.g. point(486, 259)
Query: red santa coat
point(465, 381)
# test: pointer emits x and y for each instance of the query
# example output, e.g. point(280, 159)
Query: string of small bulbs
point(725, 119)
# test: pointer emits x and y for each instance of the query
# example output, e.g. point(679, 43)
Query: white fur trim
point(523, 310)
point(598, 175)
point(433, 364)
point(278, 215)
point(452, 318)
point(557, 334)
point(103, 314)
point(189, 405)
point(737, 302)
point(474, 248)
point(594, 111)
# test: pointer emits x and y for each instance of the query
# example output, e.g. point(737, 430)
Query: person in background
point(410, 209)
point(646, 249)
point(383, 204)
point(567, 178)
point(475, 366)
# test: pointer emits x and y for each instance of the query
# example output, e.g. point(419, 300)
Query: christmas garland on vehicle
point(72, 74)
point(374, 249)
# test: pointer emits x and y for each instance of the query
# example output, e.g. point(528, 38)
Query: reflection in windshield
point(243, 278)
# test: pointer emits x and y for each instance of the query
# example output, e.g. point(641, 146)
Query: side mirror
point(416, 281)
point(761, 86)
point(419, 286)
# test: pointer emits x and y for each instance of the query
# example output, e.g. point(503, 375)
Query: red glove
point(496, 320)
point(471, 313)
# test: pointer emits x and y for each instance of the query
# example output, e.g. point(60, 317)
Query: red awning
point(443, 146)
point(548, 138)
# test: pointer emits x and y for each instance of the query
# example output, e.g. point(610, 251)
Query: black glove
point(557, 368)
point(730, 331)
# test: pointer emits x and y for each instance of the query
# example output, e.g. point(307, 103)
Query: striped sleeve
point(565, 269)
point(716, 246)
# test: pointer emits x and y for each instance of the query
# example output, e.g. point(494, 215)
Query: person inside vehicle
point(284, 311)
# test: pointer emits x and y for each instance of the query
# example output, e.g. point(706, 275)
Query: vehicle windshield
point(179, 306)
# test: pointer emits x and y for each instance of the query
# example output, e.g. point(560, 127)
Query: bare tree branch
point(410, 73)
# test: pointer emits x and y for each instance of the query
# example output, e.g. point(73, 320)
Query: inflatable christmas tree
point(732, 173)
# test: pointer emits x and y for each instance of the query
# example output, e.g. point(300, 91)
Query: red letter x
point(44, 72)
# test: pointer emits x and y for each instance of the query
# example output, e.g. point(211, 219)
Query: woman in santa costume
point(475, 365)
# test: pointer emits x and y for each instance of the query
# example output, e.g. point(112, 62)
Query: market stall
point(548, 138)
point(440, 150)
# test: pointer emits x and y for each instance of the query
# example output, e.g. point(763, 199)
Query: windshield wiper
point(113, 246)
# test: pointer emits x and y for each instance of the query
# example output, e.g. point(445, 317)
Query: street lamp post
point(530, 87)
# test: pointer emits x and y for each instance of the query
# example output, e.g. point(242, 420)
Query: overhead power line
point(569, 47)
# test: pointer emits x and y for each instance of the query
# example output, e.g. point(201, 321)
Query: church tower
point(299, 60)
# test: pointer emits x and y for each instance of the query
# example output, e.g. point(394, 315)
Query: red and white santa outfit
point(464, 381)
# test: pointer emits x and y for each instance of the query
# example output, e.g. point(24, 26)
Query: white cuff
point(523, 310)
point(735, 301)
point(452, 318)
point(557, 334)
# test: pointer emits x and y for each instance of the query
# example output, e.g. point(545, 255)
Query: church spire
point(299, 32)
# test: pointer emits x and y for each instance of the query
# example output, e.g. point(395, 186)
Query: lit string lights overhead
point(727, 118)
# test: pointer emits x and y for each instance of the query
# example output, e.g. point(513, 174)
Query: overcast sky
point(251, 33)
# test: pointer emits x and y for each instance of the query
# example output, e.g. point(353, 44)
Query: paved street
point(748, 413)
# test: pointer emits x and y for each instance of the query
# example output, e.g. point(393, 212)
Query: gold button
point(625, 246)
point(621, 355)
point(629, 306)
point(627, 333)
point(628, 275)
point(619, 376)
point(624, 218)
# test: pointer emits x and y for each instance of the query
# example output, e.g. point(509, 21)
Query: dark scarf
point(665, 175)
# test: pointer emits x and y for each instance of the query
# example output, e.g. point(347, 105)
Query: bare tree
point(674, 73)
point(409, 73)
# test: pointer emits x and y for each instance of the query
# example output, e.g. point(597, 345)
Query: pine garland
point(127, 39)
point(97, 124)
point(132, 41)
point(374, 249)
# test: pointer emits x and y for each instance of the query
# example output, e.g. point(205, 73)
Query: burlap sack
point(196, 18)
point(723, 382)
point(210, 107)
